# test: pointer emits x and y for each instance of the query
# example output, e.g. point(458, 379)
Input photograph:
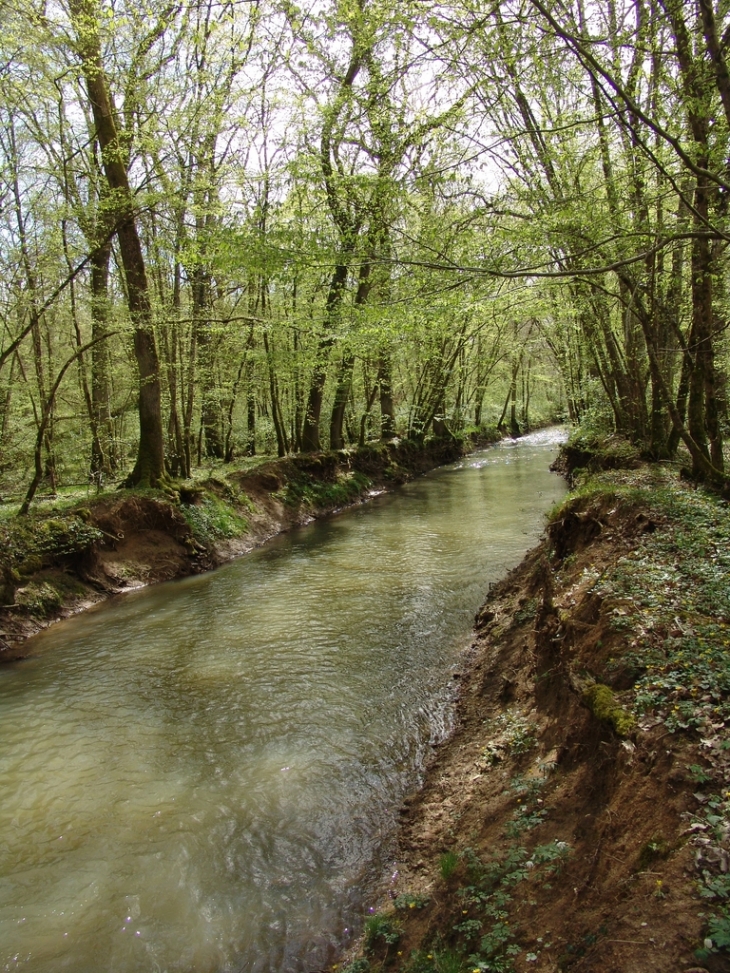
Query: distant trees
point(614, 129)
point(231, 228)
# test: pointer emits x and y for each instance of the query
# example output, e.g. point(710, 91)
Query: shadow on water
point(204, 776)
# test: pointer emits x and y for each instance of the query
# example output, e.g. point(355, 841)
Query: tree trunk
point(149, 468)
point(387, 407)
point(210, 412)
point(282, 446)
point(342, 393)
point(312, 414)
point(103, 452)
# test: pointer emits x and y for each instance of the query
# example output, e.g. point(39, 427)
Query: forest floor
point(72, 553)
point(578, 819)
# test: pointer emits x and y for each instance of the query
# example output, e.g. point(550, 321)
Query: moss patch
point(38, 598)
point(602, 703)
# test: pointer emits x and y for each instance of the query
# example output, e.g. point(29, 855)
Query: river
point(205, 775)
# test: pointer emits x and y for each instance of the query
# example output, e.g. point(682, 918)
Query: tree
point(149, 468)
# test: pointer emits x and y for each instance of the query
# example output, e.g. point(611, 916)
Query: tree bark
point(103, 455)
point(149, 468)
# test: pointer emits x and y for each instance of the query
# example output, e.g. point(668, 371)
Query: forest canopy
point(239, 227)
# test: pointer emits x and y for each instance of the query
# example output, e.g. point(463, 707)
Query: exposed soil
point(573, 847)
point(64, 563)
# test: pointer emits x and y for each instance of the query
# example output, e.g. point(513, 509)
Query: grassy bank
point(579, 818)
point(76, 550)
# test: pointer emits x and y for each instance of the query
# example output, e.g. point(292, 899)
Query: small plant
point(496, 947)
point(512, 733)
point(213, 519)
point(310, 490)
point(654, 850)
point(469, 928)
point(381, 929)
point(525, 818)
point(436, 961)
point(552, 856)
point(698, 774)
point(718, 928)
point(406, 900)
point(714, 884)
point(360, 965)
point(448, 863)
point(527, 612)
point(38, 598)
point(486, 899)
point(448, 961)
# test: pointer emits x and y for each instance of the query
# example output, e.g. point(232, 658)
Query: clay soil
point(531, 767)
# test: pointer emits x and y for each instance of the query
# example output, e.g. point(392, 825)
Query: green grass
point(448, 863)
point(381, 930)
point(212, 519)
point(305, 489)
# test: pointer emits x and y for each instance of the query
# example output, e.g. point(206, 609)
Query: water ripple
point(202, 776)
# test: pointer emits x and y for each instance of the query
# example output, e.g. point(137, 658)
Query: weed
point(469, 928)
point(436, 961)
point(306, 489)
point(407, 900)
point(511, 733)
point(486, 899)
point(653, 851)
point(525, 818)
point(38, 598)
point(448, 961)
point(357, 966)
point(381, 929)
point(698, 774)
point(671, 592)
point(718, 928)
point(713, 828)
point(448, 863)
point(213, 519)
point(28, 543)
point(496, 947)
point(527, 612)
point(551, 855)
point(360, 965)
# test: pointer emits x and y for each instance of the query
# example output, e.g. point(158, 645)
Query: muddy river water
point(205, 776)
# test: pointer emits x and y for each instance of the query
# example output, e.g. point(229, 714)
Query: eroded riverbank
point(578, 817)
point(65, 560)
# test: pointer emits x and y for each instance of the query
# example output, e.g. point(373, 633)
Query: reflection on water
point(202, 776)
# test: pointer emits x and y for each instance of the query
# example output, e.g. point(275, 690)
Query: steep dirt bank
point(579, 817)
point(57, 564)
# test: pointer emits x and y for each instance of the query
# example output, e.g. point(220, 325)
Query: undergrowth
point(482, 938)
point(212, 519)
point(487, 938)
point(306, 489)
point(672, 594)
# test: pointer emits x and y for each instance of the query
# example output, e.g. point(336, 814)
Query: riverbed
point(205, 775)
